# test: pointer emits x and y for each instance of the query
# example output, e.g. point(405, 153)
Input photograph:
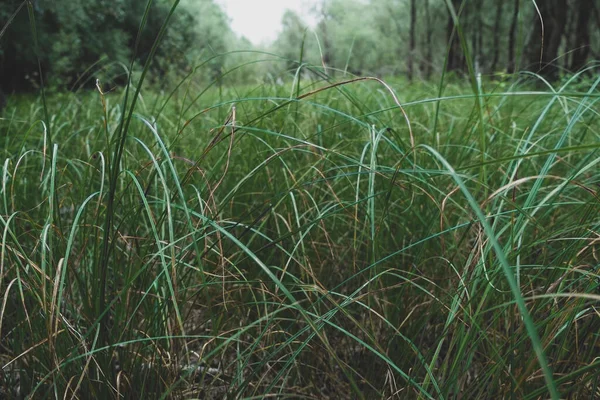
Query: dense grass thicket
point(324, 238)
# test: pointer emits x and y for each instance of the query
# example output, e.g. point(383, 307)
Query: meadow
point(322, 238)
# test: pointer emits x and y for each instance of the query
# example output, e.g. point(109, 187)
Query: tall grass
point(354, 239)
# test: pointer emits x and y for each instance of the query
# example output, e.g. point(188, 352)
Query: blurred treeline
point(80, 40)
point(420, 38)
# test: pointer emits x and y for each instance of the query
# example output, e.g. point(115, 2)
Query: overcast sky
point(260, 20)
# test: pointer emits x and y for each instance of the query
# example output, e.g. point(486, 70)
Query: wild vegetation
point(327, 236)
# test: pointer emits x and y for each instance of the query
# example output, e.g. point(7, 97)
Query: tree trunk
point(2, 101)
point(546, 38)
point(512, 37)
point(428, 44)
point(497, 21)
point(411, 51)
point(455, 53)
point(582, 35)
point(479, 52)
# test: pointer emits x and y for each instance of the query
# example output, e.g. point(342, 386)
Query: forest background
point(79, 39)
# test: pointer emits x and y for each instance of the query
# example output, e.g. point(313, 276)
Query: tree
point(456, 59)
point(412, 44)
point(545, 40)
point(581, 48)
point(75, 34)
point(394, 45)
point(292, 37)
point(427, 63)
point(16, 66)
point(350, 39)
point(512, 37)
point(497, 22)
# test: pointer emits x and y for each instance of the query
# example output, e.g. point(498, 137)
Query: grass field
point(324, 238)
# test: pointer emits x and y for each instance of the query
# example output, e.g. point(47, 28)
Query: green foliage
point(294, 39)
point(355, 42)
point(80, 40)
point(371, 37)
point(80, 33)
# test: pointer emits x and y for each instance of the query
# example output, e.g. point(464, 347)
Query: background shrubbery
point(78, 40)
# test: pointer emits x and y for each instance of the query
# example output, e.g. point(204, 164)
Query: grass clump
point(317, 239)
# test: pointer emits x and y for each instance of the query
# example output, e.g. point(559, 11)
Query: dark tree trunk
point(412, 44)
point(582, 35)
point(479, 52)
point(496, 34)
point(544, 43)
point(2, 101)
point(512, 36)
point(569, 41)
point(428, 45)
point(456, 58)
